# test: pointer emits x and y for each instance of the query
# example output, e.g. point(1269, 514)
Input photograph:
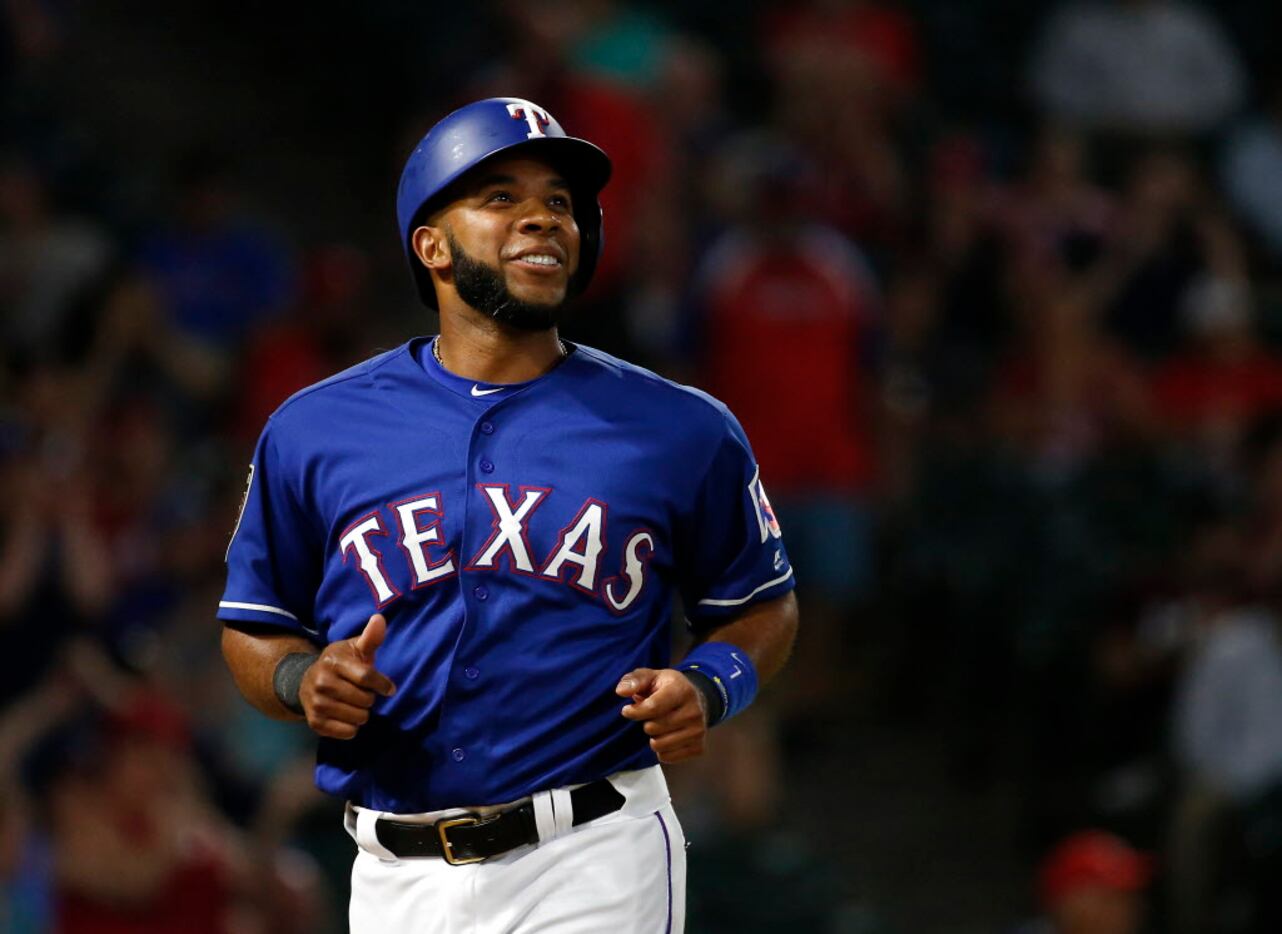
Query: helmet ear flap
point(591, 244)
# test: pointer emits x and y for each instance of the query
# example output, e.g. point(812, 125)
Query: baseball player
point(457, 561)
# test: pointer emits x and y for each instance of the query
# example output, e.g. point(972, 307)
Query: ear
point(431, 246)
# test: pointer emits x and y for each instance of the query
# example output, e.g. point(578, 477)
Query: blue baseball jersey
point(523, 541)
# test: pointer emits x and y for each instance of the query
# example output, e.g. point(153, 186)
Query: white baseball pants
point(624, 873)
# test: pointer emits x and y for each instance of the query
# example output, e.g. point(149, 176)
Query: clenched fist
point(673, 710)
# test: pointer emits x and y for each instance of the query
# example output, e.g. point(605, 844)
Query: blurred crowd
point(994, 287)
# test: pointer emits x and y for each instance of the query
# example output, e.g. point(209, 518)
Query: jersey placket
point(469, 741)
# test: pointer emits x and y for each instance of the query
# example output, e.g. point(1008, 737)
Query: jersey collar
point(483, 394)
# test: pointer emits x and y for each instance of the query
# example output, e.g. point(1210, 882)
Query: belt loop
point(544, 818)
point(562, 810)
point(349, 820)
point(367, 835)
point(644, 790)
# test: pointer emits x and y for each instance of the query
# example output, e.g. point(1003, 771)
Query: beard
point(483, 287)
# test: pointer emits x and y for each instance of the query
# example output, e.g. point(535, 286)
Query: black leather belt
point(469, 838)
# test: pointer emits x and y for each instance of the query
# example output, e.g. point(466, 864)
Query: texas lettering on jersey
point(415, 524)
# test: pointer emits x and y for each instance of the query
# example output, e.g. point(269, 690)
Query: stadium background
point(993, 285)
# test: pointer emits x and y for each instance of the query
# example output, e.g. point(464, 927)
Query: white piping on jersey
point(228, 605)
point(741, 600)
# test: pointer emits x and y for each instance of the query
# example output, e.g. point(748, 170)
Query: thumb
point(371, 637)
point(637, 681)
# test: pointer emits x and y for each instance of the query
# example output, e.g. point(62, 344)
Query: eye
point(560, 201)
point(500, 195)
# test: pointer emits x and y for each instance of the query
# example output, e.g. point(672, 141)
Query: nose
point(537, 217)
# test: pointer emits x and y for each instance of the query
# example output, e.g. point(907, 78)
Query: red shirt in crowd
point(1194, 389)
point(194, 899)
point(784, 321)
point(883, 36)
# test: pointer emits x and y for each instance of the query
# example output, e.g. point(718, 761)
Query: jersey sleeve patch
point(733, 546)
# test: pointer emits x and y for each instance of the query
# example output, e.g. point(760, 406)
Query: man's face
point(513, 244)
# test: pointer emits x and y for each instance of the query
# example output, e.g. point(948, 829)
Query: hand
point(341, 686)
point(673, 710)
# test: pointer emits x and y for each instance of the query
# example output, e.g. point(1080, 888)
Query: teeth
point(542, 259)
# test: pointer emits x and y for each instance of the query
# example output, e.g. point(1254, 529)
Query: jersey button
point(487, 428)
point(487, 467)
point(480, 593)
point(471, 673)
point(458, 755)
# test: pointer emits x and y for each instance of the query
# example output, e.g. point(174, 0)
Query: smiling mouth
point(539, 264)
point(542, 260)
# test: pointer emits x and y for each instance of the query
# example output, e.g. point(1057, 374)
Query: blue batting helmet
point(472, 134)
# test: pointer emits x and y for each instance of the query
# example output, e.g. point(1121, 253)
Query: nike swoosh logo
point(478, 391)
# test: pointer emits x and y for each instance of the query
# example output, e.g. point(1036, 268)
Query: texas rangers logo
point(767, 521)
point(535, 117)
